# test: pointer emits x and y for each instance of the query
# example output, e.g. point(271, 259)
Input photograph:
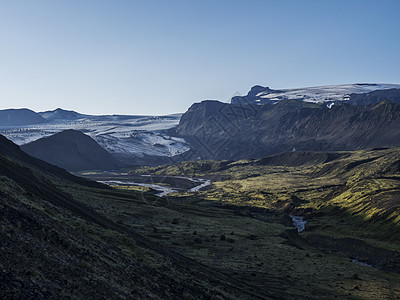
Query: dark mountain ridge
point(71, 150)
point(235, 131)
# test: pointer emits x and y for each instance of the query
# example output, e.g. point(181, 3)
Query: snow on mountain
point(330, 93)
point(140, 143)
point(133, 135)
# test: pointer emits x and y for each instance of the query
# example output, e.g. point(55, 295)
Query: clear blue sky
point(159, 57)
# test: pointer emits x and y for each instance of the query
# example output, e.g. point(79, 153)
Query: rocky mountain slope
point(234, 131)
point(71, 150)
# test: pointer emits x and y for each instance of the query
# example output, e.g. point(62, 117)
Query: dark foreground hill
point(52, 246)
point(71, 150)
point(235, 131)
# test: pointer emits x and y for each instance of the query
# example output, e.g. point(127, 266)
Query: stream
point(354, 260)
point(194, 185)
point(298, 222)
point(163, 190)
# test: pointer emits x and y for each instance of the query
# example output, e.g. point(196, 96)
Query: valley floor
point(64, 237)
point(240, 225)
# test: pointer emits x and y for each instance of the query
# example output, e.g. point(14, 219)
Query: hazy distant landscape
point(200, 150)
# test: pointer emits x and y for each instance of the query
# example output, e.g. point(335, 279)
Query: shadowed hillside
point(55, 246)
point(71, 150)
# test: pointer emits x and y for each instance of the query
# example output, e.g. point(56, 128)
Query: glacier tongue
point(140, 143)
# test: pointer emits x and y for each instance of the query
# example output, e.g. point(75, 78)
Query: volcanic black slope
point(71, 150)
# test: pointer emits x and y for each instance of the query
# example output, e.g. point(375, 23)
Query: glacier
point(130, 135)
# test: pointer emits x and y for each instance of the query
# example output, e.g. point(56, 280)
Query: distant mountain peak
point(61, 114)
point(258, 89)
point(19, 117)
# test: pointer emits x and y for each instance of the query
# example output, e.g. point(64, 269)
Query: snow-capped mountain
point(135, 136)
point(330, 93)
